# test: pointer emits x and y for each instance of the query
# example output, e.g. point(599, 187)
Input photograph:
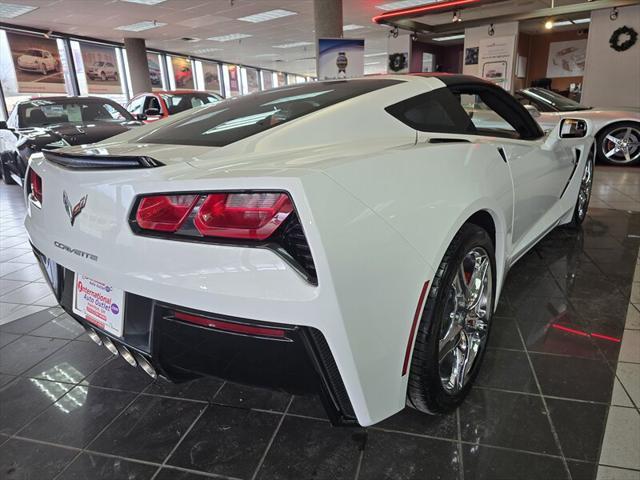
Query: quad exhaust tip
point(110, 345)
point(133, 359)
point(146, 366)
point(127, 355)
point(93, 336)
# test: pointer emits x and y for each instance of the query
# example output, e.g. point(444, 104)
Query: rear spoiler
point(100, 162)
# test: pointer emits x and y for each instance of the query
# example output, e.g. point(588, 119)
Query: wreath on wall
point(397, 62)
point(620, 33)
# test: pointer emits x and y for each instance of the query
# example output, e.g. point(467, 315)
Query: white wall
point(612, 79)
point(472, 37)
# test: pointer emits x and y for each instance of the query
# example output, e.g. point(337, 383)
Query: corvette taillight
point(243, 216)
point(253, 216)
point(164, 213)
point(35, 185)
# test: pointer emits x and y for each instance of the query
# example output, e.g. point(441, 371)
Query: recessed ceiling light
point(230, 37)
point(266, 16)
point(11, 10)
point(379, 54)
point(582, 20)
point(145, 2)
point(140, 26)
point(403, 4)
point(351, 26)
point(293, 45)
point(451, 37)
point(373, 63)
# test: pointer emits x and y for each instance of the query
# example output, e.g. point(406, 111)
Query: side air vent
point(292, 239)
point(86, 162)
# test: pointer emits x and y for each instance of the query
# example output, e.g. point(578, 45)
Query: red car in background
point(152, 106)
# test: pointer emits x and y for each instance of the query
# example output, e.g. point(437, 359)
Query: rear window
point(231, 120)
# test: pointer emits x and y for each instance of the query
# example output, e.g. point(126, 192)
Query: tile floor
point(558, 396)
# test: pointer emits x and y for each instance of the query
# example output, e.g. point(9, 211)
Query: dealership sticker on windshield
point(99, 303)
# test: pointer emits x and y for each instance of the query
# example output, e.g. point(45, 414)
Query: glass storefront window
point(250, 80)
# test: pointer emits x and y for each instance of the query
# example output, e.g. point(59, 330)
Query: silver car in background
point(617, 130)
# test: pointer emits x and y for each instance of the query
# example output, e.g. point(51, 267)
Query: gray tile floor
point(558, 396)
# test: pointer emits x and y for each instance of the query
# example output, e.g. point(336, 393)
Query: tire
point(584, 194)
point(6, 175)
point(621, 153)
point(426, 388)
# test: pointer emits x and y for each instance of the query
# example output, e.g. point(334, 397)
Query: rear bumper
point(299, 362)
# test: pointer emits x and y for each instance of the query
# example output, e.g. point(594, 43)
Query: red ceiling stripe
point(414, 11)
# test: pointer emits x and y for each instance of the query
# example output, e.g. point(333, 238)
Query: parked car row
point(54, 122)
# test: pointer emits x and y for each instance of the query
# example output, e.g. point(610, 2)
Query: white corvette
point(348, 238)
point(616, 130)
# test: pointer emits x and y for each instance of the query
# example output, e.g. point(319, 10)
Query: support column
point(327, 15)
point(138, 66)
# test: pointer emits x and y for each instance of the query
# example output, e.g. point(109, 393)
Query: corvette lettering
point(75, 251)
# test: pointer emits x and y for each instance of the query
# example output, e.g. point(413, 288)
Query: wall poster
point(211, 73)
point(340, 58)
point(37, 63)
point(495, 58)
point(267, 79)
point(155, 75)
point(182, 73)
point(234, 80)
point(567, 59)
point(101, 68)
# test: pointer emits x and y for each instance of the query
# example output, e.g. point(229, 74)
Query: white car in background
point(38, 60)
point(617, 130)
point(345, 238)
point(102, 71)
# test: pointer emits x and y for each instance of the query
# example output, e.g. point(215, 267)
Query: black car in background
point(54, 122)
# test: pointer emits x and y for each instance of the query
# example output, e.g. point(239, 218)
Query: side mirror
point(140, 116)
point(533, 111)
point(573, 128)
point(152, 112)
point(3, 125)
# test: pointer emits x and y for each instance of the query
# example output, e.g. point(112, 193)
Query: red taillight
point(243, 216)
point(241, 328)
point(165, 213)
point(253, 216)
point(36, 186)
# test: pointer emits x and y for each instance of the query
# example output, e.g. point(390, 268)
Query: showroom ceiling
point(281, 43)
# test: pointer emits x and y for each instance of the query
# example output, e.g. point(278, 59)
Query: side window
point(436, 111)
point(484, 118)
point(495, 112)
point(135, 106)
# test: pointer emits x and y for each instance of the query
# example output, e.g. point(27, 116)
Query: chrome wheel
point(465, 322)
point(584, 195)
point(622, 145)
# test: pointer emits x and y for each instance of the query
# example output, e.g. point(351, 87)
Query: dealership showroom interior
point(319, 239)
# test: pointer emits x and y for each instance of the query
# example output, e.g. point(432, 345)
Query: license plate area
point(99, 303)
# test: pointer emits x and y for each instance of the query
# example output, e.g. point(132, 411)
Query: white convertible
point(348, 238)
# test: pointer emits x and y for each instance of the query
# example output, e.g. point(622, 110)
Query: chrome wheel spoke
point(450, 341)
point(465, 322)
